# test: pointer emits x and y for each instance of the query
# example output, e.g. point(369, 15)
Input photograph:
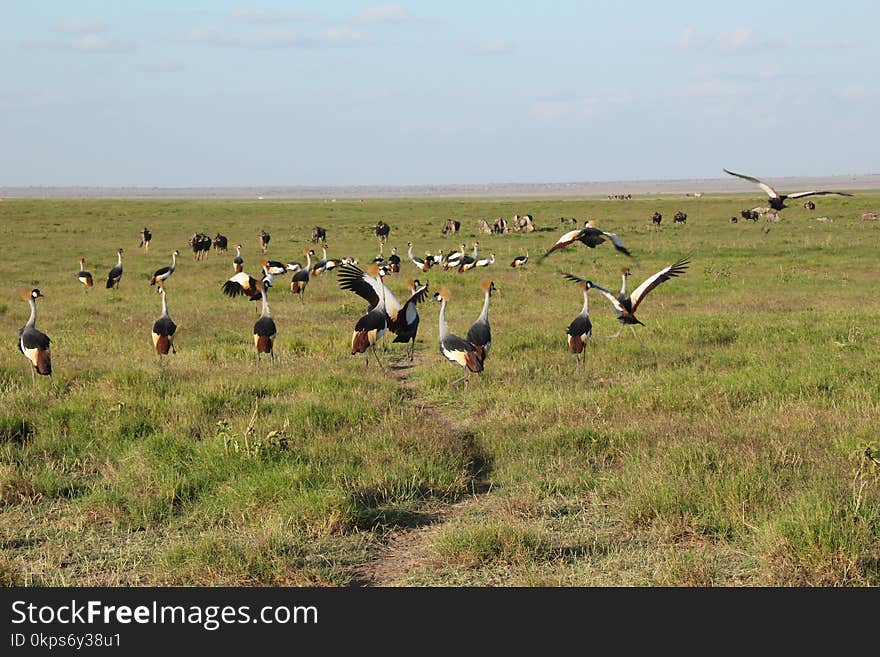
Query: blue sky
point(177, 93)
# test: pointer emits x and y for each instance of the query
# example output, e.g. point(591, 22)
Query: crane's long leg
point(34, 376)
point(376, 355)
point(633, 329)
point(616, 334)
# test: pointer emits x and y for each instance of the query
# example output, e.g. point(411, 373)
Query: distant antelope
point(83, 276)
point(34, 344)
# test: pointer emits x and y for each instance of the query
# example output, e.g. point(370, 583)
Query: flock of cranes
point(384, 312)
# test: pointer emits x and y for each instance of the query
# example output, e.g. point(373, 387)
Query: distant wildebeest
point(318, 235)
point(382, 231)
point(679, 218)
point(656, 218)
point(809, 205)
point(200, 243)
point(499, 226)
point(146, 236)
point(220, 243)
point(451, 226)
point(264, 240)
point(750, 214)
point(483, 227)
point(733, 219)
point(523, 224)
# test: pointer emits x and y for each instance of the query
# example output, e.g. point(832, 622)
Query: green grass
point(723, 447)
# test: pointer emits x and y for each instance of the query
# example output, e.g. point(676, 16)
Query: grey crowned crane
point(581, 329)
point(777, 200)
point(238, 261)
point(325, 263)
point(422, 264)
point(405, 324)
point(83, 276)
point(369, 286)
point(264, 328)
point(590, 236)
point(273, 267)
point(161, 275)
point(467, 262)
point(625, 306)
point(300, 279)
point(480, 334)
point(34, 344)
point(243, 284)
point(394, 261)
point(485, 262)
point(264, 241)
point(520, 260)
point(455, 349)
point(453, 260)
point(116, 272)
point(163, 328)
point(437, 258)
point(402, 319)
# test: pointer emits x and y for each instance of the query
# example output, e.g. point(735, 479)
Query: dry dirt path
point(408, 549)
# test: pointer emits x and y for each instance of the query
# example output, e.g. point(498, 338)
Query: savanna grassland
point(725, 446)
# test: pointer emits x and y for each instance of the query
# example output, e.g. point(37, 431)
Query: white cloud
point(81, 25)
point(259, 38)
point(741, 39)
point(270, 38)
point(164, 67)
point(85, 43)
point(690, 38)
point(383, 14)
point(343, 36)
point(579, 108)
point(762, 73)
point(493, 48)
point(269, 16)
point(854, 92)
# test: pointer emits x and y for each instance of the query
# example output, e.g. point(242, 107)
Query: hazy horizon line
point(570, 188)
